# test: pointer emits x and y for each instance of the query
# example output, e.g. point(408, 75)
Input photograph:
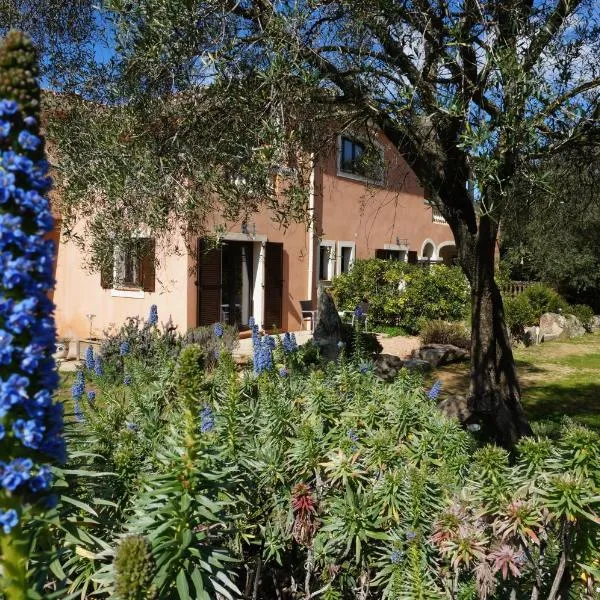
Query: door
point(273, 285)
point(209, 285)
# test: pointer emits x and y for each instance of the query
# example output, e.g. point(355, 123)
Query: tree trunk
point(494, 393)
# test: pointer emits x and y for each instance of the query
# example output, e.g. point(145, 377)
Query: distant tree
point(553, 234)
point(471, 93)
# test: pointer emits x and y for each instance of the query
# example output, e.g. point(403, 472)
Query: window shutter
point(380, 253)
point(107, 271)
point(147, 264)
point(273, 285)
point(209, 284)
point(413, 257)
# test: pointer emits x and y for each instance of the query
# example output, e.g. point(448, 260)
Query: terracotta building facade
point(260, 270)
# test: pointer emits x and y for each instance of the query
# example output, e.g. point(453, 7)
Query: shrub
point(518, 314)
point(544, 299)
point(212, 344)
point(584, 313)
point(437, 292)
point(443, 332)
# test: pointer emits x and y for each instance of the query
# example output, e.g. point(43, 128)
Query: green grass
point(558, 379)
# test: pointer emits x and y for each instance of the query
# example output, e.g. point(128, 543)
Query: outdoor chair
point(308, 313)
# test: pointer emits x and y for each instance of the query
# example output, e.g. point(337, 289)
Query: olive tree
point(472, 93)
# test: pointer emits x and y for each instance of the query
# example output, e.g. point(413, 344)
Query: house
point(259, 269)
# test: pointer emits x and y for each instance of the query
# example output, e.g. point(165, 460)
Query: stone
point(595, 323)
point(531, 336)
point(440, 354)
point(327, 335)
point(62, 349)
point(456, 407)
point(387, 366)
point(415, 363)
point(554, 326)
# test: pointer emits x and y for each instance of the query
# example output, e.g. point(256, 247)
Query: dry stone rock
point(328, 331)
point(456, 407)
point(387, 366)
point(531, 336)
point(415, 363)
point(440, 354)
point(554, 326)
point(596, 323)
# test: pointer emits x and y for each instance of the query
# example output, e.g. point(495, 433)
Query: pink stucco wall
point(345, 210)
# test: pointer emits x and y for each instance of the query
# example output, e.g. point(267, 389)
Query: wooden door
point(273, 285)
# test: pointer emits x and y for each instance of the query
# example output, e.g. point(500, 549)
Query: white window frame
point(331, 263)
point(340, 245)
point(355, 176)
point(402, 248)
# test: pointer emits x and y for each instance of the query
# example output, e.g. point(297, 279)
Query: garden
point(162, 469)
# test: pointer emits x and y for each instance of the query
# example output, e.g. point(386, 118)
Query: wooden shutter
point(209, 285)
point(107, 271)
point(147, 264)
point(273, 285)
point(413, 257)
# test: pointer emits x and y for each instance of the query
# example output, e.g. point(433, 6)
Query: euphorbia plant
point(31, 424)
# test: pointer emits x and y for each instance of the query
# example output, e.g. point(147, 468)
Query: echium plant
point(31, 424)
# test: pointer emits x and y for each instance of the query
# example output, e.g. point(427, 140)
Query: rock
point(456, 407)
point(595, 323)
point(554, 326)
point(440, 354)
point(387, 366)
point(62, 350)
point(328, 331)
point(531, 336)
point(415, 363)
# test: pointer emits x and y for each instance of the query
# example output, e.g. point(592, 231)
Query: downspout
point(311, 226)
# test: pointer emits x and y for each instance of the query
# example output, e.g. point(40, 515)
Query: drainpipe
point(311, 226)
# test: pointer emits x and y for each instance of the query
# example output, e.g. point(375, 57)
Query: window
point(131, 267)
point(346, 252)
point(386, 254)
point(360, 160)
point(326, 261)
point(128, 267)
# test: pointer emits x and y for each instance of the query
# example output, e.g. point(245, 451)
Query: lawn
point(557, 378)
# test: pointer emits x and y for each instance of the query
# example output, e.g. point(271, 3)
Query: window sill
point(127, 293)
point(360, 178)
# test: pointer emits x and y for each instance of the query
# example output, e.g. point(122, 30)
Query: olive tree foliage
point(471, 93)
point(67, 34)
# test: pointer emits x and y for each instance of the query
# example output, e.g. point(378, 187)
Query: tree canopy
point(474, 94)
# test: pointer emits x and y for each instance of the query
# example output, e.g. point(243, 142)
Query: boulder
point(327, 335)
point(595, 323)
point(456, 407)
point(554, 326)
point(440, 354)
point(387, 366)
point(415, 363)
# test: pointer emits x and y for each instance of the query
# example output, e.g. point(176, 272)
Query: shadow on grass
point(569, 397)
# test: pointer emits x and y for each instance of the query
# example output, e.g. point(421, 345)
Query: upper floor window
point(361, 160)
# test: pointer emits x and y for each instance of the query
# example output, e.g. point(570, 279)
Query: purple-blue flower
point(2, 431)
point(42, 480)
point(396, 557)
point(131, 426)
point(30, 432)
point(289, 343)
point(410, 536)
point(15, 473)
point(127, 379)
point(98, 368)
point(283, 372)
point(28, 141)
point(207, 419)
point(8, 519)
point(124, 348)
point(153, 316)
point(358, 312)
point(218, 329)
point(91, 397)
point(77, 411)
point(8, 107)
point(5, 128)
point(89, 358)
point(435, 390)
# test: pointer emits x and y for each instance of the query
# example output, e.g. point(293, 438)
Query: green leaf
point(182, 585)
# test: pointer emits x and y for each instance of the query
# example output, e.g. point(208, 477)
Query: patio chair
point(308, 313)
